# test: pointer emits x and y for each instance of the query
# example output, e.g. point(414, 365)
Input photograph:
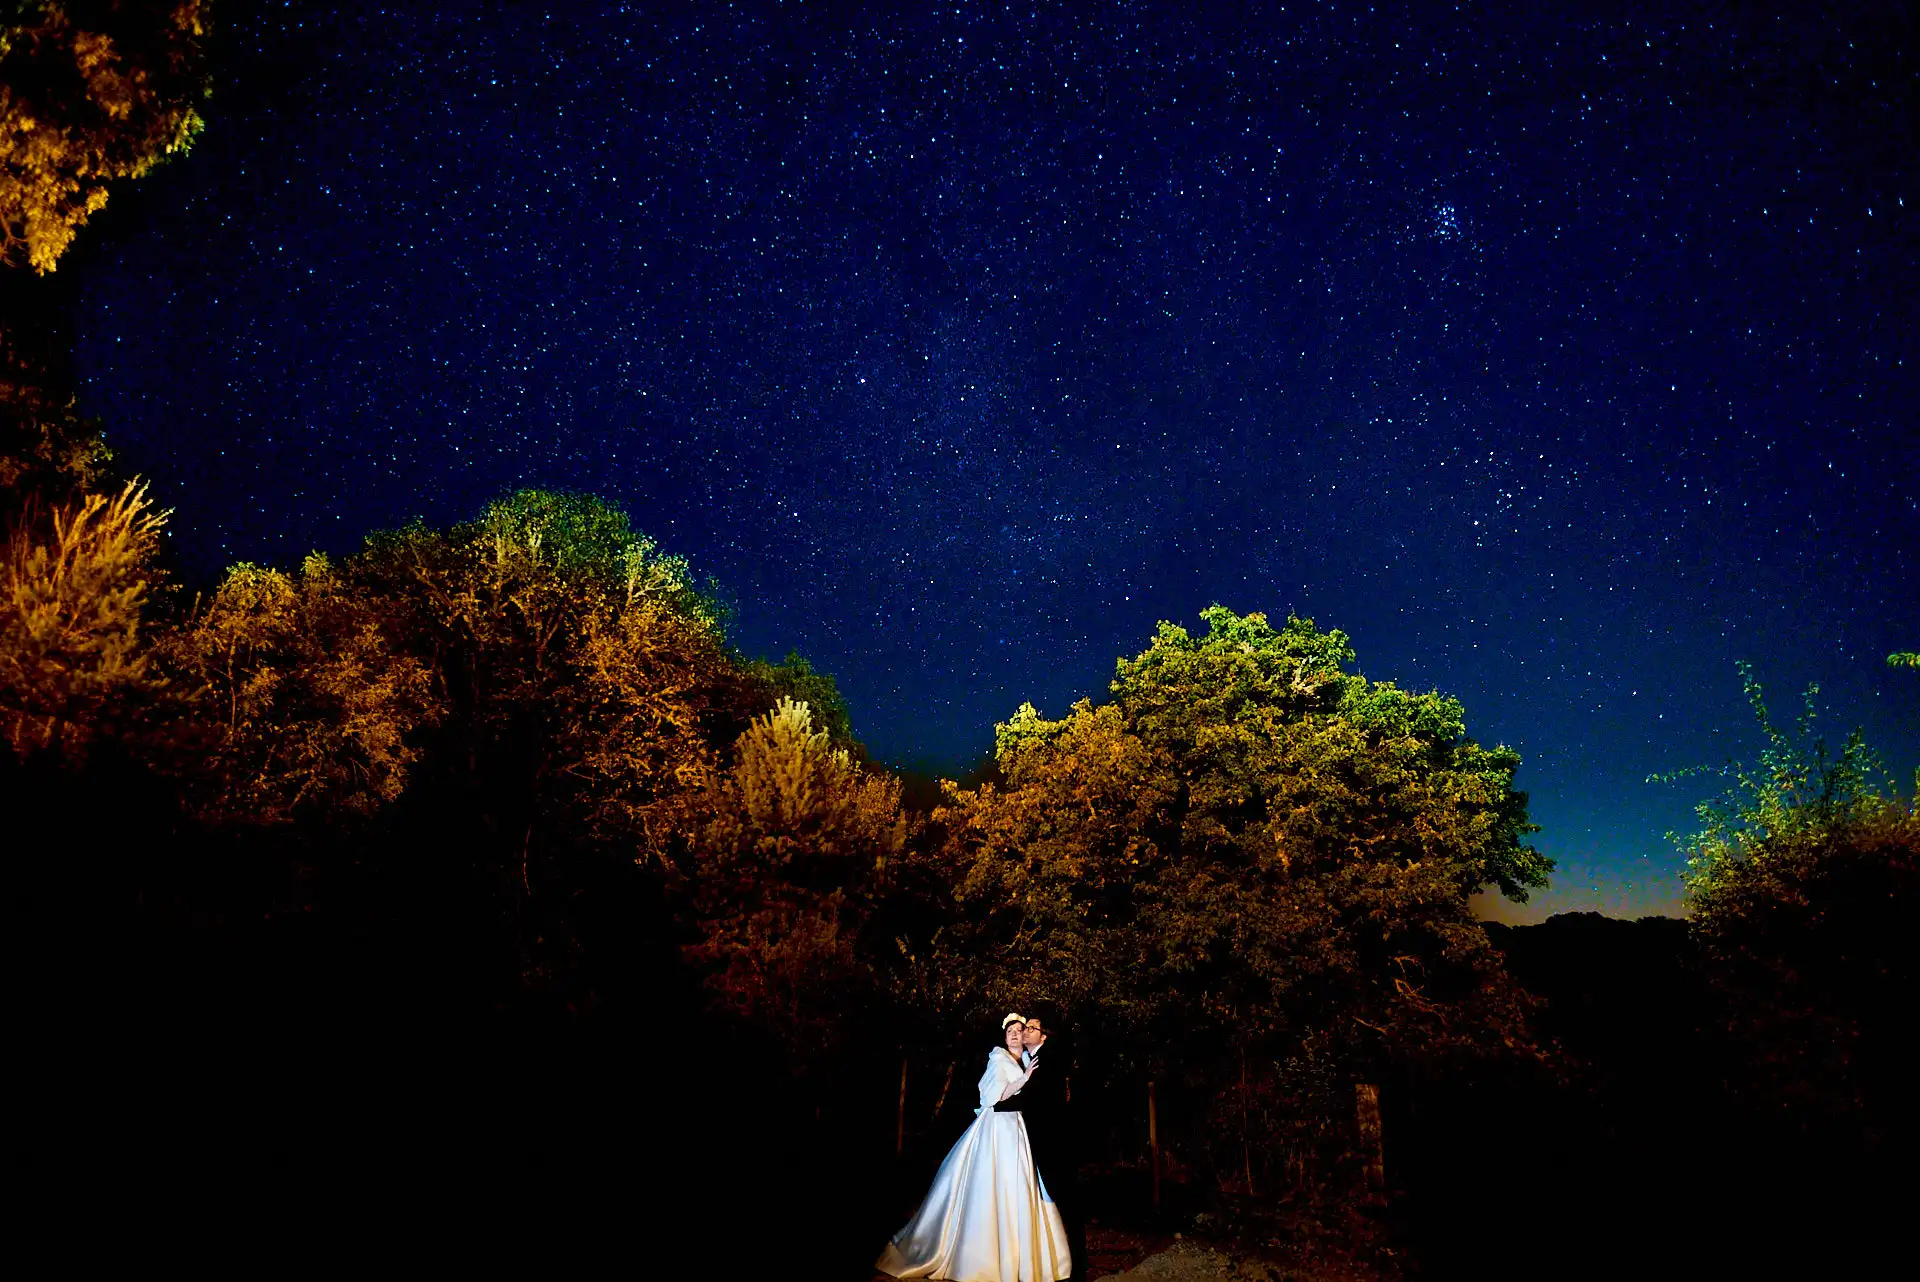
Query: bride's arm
point(1002, 1078)
point(1010, 1101)
point(1014, 1078)
point(990, 1083)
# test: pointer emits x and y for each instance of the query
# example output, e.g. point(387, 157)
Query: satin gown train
point(987, 1217)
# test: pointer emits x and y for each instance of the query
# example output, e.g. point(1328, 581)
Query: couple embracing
point(1003, 1206)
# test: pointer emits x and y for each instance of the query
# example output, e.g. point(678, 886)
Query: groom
point(1050, 1131)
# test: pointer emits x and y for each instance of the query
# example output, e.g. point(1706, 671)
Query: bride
point(988, 1217)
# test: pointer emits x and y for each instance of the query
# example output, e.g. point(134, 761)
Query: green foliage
point(796, 679)
point(583, 538)
point(1242, 670)
point(1246, 707)
point(1247, 845)
point(1903, 659)
point(90, 93)
point(1799, 789)
point(1801, 884)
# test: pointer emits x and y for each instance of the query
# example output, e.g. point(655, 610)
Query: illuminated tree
point(300, 703)
point(780, 878)
point(1247, 845)
point(72, 652)
point(540, 690)
point(584, 674)
point(91, 91)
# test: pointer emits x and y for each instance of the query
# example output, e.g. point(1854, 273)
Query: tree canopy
point(1247, 843)
point(91, 91)
point(546, 684)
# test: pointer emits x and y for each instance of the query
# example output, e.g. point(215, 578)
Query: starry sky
point(1560, 356)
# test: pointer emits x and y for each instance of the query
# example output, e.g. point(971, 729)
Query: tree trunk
point(900, 1127)
point(526, 845)
point(1153, 1141)
point(1372, 1151)
point(944, 1087)
point(1246, 1141)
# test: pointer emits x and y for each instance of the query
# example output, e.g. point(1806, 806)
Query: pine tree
point(779, 882)
point(71, 613)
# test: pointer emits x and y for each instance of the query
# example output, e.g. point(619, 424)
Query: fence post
point(1153, 1141)
point(1367, 1102)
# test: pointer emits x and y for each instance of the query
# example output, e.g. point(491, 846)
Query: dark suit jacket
point(1043, 1101)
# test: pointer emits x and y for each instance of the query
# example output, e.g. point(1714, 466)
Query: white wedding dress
point(987, 1217)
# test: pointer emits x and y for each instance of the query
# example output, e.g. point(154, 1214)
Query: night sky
point(1561, 359)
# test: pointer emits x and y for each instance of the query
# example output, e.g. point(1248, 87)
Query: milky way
point(1561, 360)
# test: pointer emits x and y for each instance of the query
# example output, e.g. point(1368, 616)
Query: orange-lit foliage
point(71, 611)
point(581, 670)
point(91, 91)
point(559, 657)
point(797, 836)
point(299, 701)
point(561, 688)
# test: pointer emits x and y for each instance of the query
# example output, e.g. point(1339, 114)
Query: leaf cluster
point(91, 91)
point(48, 453)
point(300, 702)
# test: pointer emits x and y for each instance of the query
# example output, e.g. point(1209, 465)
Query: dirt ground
point(1196, 1262)
point(1122, 1256)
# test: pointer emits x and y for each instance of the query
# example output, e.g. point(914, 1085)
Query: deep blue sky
point(1561, 358)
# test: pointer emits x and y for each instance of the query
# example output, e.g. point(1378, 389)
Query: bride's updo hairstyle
point(1013, 1017)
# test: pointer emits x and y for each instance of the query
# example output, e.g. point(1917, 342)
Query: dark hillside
point(1634, 1156)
